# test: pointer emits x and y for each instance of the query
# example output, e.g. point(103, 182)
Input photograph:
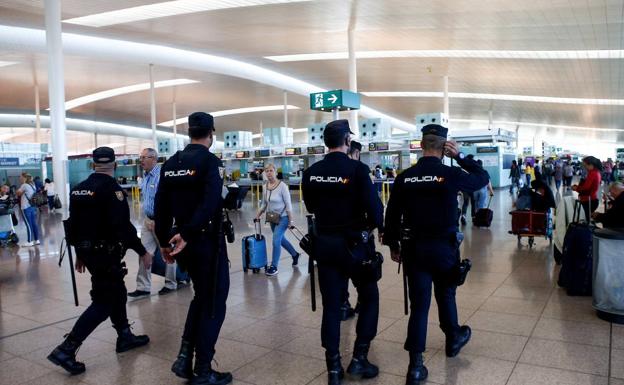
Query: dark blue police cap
point(103, 155)
point(337, 127)
point(356, 145)
point(435, 129)
point(201, 120)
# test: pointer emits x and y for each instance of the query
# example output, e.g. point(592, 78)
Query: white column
point(37, 115)
point(490, 120)
point(335, 114)
point(95, 140)
point(175, 129)
point(56, 90)
point(153, 107)
point(353, 115)
point(446, 98)
point(285, 109)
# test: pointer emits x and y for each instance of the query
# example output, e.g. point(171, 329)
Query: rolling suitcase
point(577, 256)
point(484, 217)
point(159, 267)
point(254, 250)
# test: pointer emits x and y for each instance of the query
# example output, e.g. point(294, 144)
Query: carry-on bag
point(484, 217)
point(577, 256)
point(255, 250)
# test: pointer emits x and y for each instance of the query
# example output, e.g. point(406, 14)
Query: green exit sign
point(337, 99)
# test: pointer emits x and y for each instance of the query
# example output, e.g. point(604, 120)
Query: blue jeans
point(30, 220)
point(279, 240)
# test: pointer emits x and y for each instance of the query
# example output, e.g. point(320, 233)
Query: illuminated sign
point(378, 146)
point(414, 144)
point(262, 153)
point(242, 154)
point(292, 151)
point(316, 150)
point(487, 150)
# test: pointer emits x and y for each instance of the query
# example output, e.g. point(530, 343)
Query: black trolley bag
point(577, 256)
point(483, 217)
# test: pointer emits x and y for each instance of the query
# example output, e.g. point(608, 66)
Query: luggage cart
point(531, 224)
point(7, 231)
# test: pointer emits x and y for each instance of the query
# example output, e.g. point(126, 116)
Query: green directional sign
point(337, 99)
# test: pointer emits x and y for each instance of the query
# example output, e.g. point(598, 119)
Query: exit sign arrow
point(341, 100)
point(333, 98)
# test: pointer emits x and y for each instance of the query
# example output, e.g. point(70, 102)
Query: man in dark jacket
point(614, 216)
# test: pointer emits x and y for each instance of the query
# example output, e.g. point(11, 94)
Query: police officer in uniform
point(340, 194)
point(421, 230)
point(189, 197)
point(100, 231)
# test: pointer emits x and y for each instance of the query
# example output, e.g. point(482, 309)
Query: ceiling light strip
point(168, 8)
point(70, 104)
point(519, 98)
point(236, 111)
point(565, 127)
point(7, 63)
point(457, 54)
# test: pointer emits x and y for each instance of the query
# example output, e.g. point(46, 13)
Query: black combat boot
point(183, 365)
point(359, 366)
point(335, 372)
point(416, 371)
point(127, 341)
point(455, 342)
point(204, 375)
point(346, 311)
point(64, 355)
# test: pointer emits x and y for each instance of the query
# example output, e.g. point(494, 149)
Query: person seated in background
point(542, 198)
point(614, 216)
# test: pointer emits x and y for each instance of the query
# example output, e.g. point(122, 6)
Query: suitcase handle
point(257, 228)
point(296, 233)
point(490, 201)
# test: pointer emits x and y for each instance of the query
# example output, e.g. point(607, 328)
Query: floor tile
point(567, 356)
point(495, 345)
point(267, 334)
point(514, 306)
point(278, 368)
point(468, 370)
point(525, 374)
point(617, 363)
point(572, 331)
point(18, 370)
point(523, 292)
point(502, 323)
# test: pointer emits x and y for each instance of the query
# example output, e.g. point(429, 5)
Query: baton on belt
point(311, 270)
point(68, 246)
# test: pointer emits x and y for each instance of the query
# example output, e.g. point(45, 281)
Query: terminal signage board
point(316, 150)
point(242, 154)
point(337, 99)
point(292, 151)
point(379, 146)
point(487, 150)
point(9, 162)
point(414, 144)
point(262, 153)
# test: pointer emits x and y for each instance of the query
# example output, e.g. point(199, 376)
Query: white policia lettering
point(421, 179)
point(329, 179)
point(180, 173)
point(82, 192)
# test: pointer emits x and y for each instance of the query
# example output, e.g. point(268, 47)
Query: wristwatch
point(461, 156)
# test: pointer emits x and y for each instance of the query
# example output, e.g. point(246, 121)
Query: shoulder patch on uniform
point(120, 195)
point(221, 172)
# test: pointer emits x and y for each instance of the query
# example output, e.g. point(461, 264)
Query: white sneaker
point(27, 244)
point(37, 242)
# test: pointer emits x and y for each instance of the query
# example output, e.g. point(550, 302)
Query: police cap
point(201, 120)
point(103, 155)
point(337, 127)
point(356, 146)
point(435, 129)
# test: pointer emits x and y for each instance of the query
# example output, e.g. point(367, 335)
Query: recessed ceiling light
point(519, 98)
point(167, 8)
point(235, 111)
point(124, 90)
point(453, 54)
point(7, 63)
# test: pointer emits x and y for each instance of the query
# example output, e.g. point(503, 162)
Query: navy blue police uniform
point(422, 216)
point(189, 197)
point(101, 232)
point(346, 207)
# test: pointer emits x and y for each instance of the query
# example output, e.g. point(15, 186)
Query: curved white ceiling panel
point(26, 39)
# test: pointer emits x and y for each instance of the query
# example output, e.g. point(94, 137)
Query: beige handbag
point(273, 216)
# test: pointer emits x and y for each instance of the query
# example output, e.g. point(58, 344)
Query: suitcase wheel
point(244, 269)
point(255, 271)
point(531, 242)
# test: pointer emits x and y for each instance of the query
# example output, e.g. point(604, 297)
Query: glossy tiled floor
point(525, 329)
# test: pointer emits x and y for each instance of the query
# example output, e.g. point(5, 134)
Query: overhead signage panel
point(316, 150)
point(9, 162)
point(337, 99)
point(379, 146)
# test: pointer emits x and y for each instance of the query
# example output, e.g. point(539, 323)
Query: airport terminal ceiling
point(431, 40)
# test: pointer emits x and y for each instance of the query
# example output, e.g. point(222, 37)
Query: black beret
point(435, 129)
point(201, 120)
point(103, 155)
point(356, 145)
point(337, 127)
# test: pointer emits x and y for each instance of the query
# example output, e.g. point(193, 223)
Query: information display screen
point(316, 150)
point(292, 151)
point(378, 146)
point(262, 153)
point(242, 154)
point(414, 144)
point(487, 150)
